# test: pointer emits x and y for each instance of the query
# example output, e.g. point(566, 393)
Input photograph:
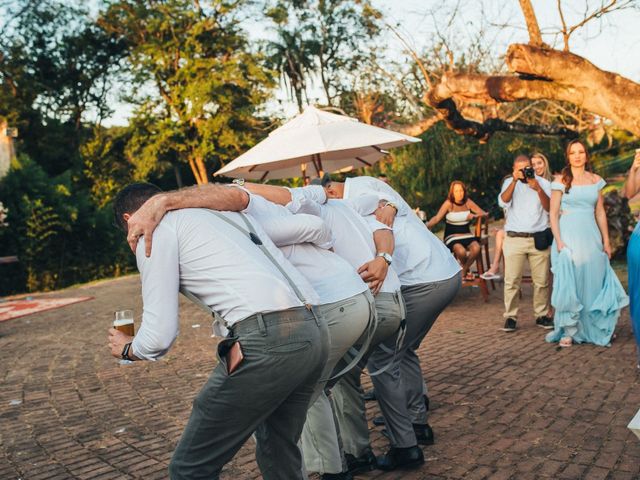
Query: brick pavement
point(505, 406)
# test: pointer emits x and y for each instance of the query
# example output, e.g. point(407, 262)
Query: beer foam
point(122, 322)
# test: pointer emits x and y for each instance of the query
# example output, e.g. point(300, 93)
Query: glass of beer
point(123, 321)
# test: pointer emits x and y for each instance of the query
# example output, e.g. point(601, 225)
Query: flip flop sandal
point(565, 342)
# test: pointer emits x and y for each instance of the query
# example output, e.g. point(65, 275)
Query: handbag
point(543, 240)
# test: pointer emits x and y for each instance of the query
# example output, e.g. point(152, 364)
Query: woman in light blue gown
point(587, 294)
point(631, 189)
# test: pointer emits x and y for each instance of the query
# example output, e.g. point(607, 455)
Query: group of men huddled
point(308, 286)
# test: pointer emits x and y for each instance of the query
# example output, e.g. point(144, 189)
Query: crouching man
point(273, 355)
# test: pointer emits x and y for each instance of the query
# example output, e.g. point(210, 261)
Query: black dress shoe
point(404, 458)
point(424, 434)
point(370, 395)
point(337, 476)
point(379, 421)
point(364, 463)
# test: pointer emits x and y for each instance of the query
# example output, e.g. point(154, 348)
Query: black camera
point(528, 173)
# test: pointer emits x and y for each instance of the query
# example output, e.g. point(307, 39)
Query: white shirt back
point(353, 236)
point(524, 213)
point(330, 275)
point(419, 256)
point(195, 249)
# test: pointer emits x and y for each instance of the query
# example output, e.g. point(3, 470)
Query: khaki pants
point(346, 320)
point(516, 251)
point(347, 394)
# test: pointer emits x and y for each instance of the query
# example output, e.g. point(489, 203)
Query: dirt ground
point(504, 406)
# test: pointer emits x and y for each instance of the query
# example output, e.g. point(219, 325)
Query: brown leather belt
point(520, 234)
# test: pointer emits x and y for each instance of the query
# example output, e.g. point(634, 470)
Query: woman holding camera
point(631, 189)
point(587, 294)
point(459, 210)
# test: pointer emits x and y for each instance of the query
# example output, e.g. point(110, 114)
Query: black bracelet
point(125, 352)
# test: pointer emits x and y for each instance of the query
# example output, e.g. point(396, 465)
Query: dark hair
point(450, 196)
point(567, 174)
point(130, 199)
point(522, 158)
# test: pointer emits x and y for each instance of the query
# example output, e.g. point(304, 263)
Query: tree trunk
point(195, 171)
point(202, 170)
point(543, 73)
point(598, 91)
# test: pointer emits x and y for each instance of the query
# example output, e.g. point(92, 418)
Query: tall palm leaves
point(293, 57)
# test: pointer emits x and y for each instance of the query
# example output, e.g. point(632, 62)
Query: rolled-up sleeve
point(299, 228)
point(301, 202)
point(160, 275)
point(505, 185)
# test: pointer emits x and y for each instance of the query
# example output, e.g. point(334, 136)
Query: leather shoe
point(404, 458)
point(337, 476)
point(424, 434)
point(364, 463)
point(379, 421)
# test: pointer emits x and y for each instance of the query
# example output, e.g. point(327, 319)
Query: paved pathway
point(505, 406)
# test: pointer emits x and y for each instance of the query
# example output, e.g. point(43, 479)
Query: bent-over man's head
point(129, 200)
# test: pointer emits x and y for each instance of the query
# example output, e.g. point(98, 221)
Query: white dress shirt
point(329, 274)
point(524, 213)
point(195, 249)
point(353, 236)
point(419, 256)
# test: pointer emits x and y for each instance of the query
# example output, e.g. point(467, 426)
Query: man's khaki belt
point(520, 234)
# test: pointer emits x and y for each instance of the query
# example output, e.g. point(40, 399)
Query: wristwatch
point(387, 258)
point(125, 352)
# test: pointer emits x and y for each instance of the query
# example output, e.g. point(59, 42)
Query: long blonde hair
point(547, 170)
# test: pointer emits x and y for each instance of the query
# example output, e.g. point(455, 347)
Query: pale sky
point(612, 43)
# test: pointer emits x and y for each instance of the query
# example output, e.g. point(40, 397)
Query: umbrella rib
point(363, 161)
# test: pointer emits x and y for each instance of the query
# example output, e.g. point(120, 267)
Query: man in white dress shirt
point(345, 302)
point(275, 351)
point(368, 246)
point(430, 279)
point(526, 203)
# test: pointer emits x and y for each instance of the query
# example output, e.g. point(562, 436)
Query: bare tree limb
point(535, 37)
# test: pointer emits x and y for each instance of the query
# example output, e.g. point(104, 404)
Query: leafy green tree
point(56, 68)
point(320, 39)
point(206, 84)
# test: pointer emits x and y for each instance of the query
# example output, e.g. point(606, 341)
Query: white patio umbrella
point(315, 141)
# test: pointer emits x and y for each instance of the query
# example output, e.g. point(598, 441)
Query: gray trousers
point(399, 390)
point(347, 394)
point(321, 445)
point(269, 393)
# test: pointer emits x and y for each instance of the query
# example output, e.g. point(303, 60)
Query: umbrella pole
point(317, 163)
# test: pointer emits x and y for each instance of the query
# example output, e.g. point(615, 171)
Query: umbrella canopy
point(315, 141)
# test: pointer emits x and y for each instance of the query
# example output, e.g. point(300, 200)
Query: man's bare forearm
point(544, 199)
point(507, 195)
point(273, 193)
point(214, 197)
point(384, 241)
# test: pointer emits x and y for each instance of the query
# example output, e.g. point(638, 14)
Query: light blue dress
point(587, 295)
point(633, 263)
